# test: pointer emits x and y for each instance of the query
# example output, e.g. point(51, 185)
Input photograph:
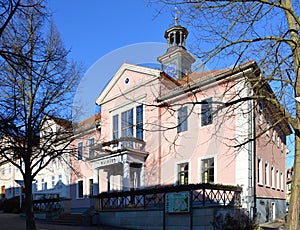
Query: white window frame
point(182, 119)
point(121, 109)
point(272, 176)
point(260, 113)
point(90, 146)
point(267, 174)
point(200, 167)
point(176, 179)
point(89, 192)
point(52, 181)
point(277, 179)
point(260, 171)
point(281, 181)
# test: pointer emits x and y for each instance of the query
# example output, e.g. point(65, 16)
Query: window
point(273, 135)
point(131, 125)
point(53, 181)
point(139, 122)
point(206, 112)
point(91, 145)
point(183, 173)
point(127, 123)
point(259, 171)
point(272, 177)
point(277, 180)
point(59, 178)
point(115, 127)
point(80, 189)
point(267, 175)
point(44, 185)
point(260, 113)
point(91, 189)
point(268, 124)
point(281, 181)
point(182, 120)
point(207, 166)
point(3, 170)
point(80, 151)
point(9, 169)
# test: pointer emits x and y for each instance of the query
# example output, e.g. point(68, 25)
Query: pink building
point(175, 127)
point(86, 134)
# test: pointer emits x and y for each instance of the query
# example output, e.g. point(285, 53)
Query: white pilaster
point(126, 176)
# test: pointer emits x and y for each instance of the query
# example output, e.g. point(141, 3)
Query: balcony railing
point(200, 195)
point(121, 144)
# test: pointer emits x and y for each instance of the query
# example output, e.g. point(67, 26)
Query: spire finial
point(177, 12)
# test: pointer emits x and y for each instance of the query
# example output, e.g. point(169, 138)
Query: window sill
point(260, 184)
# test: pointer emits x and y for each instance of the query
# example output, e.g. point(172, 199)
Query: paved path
point(16, 222)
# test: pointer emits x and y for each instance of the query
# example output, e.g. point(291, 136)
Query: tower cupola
point(176, 36)
point(176, 62)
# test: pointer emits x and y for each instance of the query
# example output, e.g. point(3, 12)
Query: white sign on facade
point(109, 161)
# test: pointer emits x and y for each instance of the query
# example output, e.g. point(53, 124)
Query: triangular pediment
point(126, 78)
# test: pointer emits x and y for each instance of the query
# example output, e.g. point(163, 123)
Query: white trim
point(260, 168)
point(154, 73)
point(124, 108)
point(176, 179)
point(200, 167)
point(132, 102)
point(88, 185)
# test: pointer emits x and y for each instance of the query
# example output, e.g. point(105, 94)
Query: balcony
point(123, 144)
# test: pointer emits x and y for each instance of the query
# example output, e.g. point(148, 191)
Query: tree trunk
point(30, 223)
point(293, 215)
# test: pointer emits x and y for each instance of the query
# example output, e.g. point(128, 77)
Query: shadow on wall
point(232, 219)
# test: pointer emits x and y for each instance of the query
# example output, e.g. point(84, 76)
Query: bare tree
point(236, 31)
point(37, 85)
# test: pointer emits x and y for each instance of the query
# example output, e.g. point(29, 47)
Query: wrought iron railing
point(201, 195)
point(51, 207)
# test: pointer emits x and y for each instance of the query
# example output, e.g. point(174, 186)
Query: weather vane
point(177, 12)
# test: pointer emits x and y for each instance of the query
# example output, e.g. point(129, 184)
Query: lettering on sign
point(110, 161)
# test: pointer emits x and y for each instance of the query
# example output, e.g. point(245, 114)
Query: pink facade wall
point(271, 150)
point(166, 148)
point(81, 170)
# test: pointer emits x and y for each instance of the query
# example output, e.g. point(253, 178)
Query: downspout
point(159, 140)
point(254, 160)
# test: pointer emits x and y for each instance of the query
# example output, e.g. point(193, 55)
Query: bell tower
point(176, 62)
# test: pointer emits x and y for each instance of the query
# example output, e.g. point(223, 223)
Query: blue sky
point(93, 28)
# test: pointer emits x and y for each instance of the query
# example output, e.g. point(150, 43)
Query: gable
point(127, 78)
